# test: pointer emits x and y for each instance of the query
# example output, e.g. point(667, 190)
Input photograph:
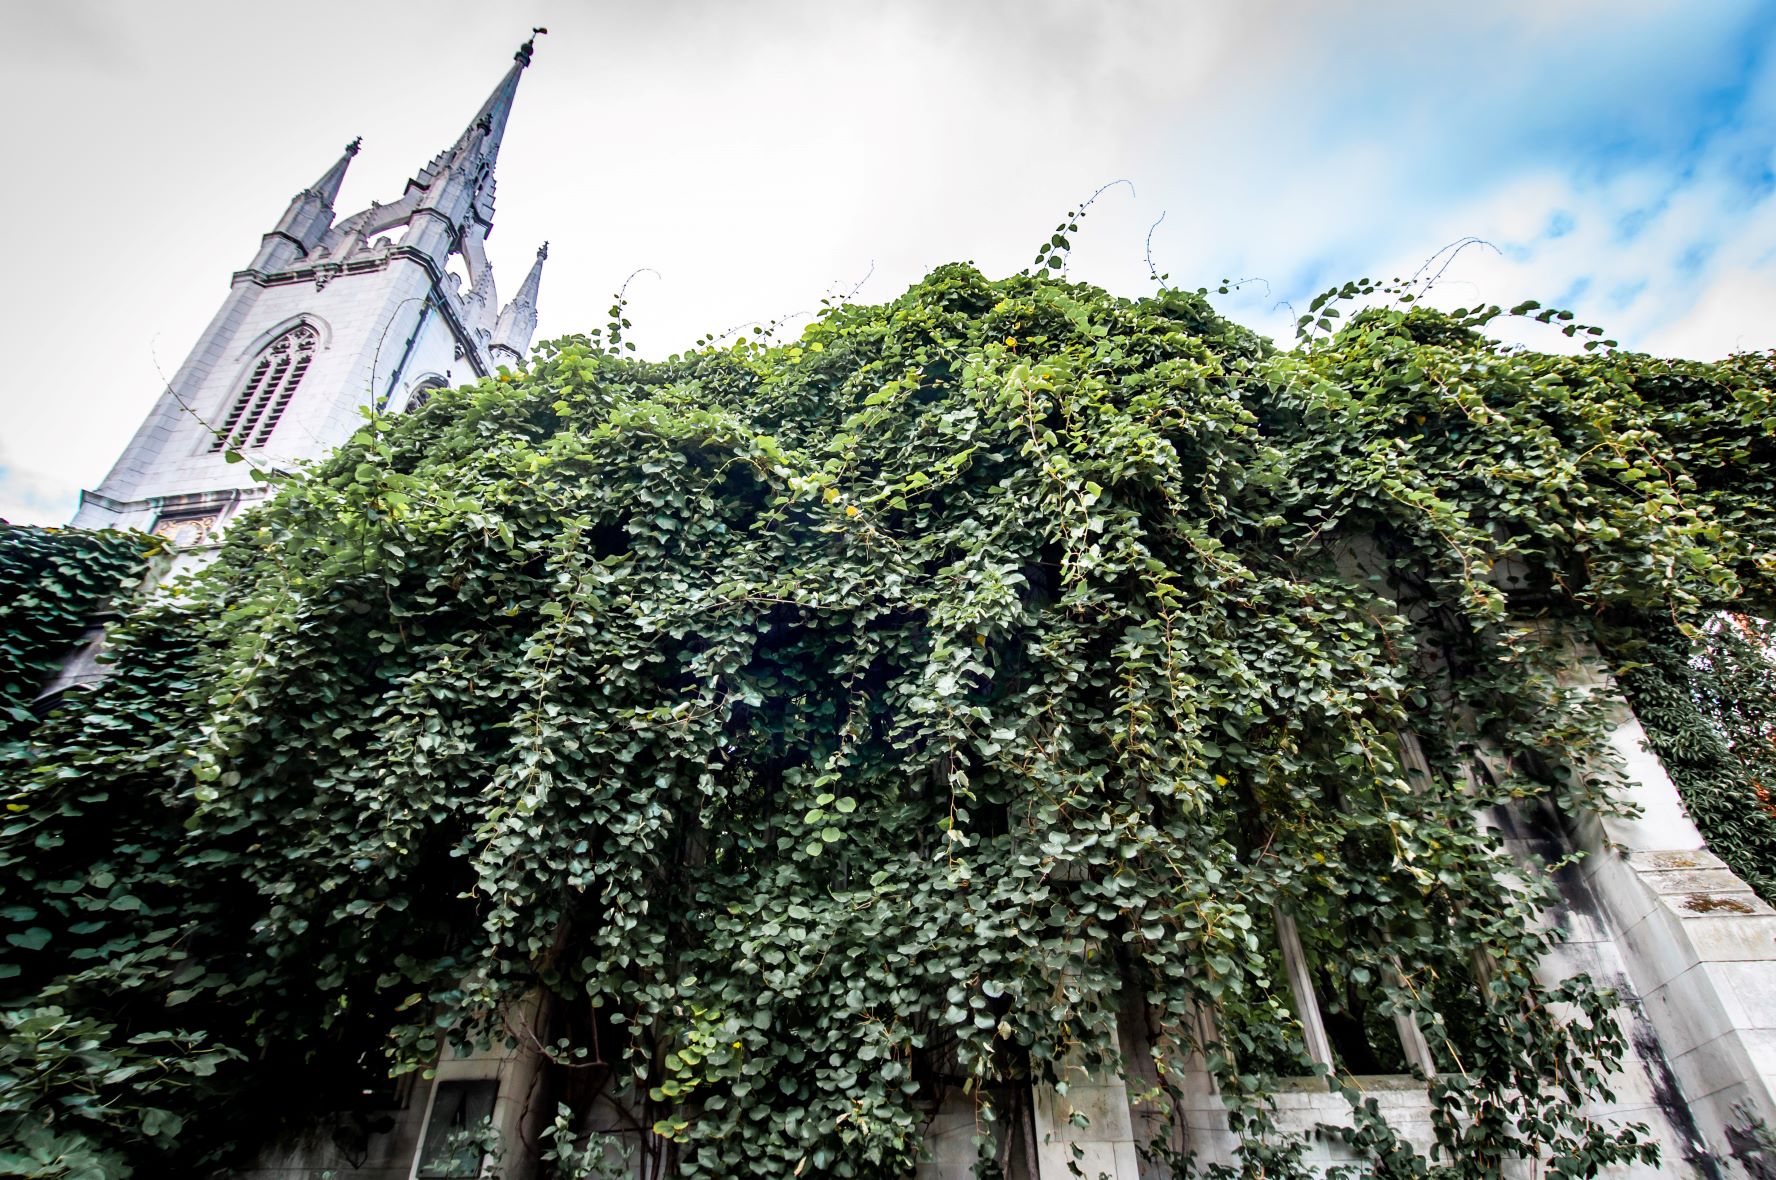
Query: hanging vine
point(52, 583)
point(823, 725)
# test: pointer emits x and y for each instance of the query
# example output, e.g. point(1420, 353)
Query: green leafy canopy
point(820, 725)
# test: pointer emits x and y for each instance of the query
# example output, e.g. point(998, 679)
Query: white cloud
point(35, 497)
point(1736, 312)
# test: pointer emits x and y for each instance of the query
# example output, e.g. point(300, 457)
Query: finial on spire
point(522, 57)
point(327, 187)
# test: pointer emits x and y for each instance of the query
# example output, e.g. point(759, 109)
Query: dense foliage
point(824, 726)
point(53, 582)
point(1708, 701)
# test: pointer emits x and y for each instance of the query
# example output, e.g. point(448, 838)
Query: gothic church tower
point(328, 318)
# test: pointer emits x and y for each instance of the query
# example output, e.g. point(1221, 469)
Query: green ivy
point(52, 584)
point(819, 724)
point(1708, 702)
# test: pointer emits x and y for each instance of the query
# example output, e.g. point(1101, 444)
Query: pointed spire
point(307, 218)
point(463, 172)
point(481, 140)
point(327, 187)
point(527, 292)
point(518, 319)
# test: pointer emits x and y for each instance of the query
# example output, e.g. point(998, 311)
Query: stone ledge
point(1692, 881)
point(1729, 928)
point(1675, 859)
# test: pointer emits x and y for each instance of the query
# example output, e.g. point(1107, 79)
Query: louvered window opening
point(266, 395)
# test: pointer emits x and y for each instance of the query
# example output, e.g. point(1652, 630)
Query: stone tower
point(330, 316)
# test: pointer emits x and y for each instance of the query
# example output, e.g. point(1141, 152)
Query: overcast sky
point(1618, 155)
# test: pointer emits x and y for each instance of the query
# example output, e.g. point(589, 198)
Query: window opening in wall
point(262, 401)
point(1272, 1038)
point(1341, 994)
point(420, 396)
point(1454, 1002)
point(1364, 1041)
point(459, 1132)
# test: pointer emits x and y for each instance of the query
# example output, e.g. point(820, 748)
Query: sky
point(744, 160)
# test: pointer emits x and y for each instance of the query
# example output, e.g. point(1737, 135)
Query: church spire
point(459, 180)
point(331, 314)
point(518, 319)
point(327, 187)
point(490, 120)
point(527, 293)
point(307, 218)
point(476, 150)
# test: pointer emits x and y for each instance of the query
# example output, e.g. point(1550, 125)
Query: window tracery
point(261, 403)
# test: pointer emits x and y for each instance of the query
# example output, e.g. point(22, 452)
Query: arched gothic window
point(423, 394)
point(263, 399)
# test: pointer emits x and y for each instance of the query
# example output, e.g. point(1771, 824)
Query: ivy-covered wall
point(52, 583)
point(1708, 702)
point(817, 727)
